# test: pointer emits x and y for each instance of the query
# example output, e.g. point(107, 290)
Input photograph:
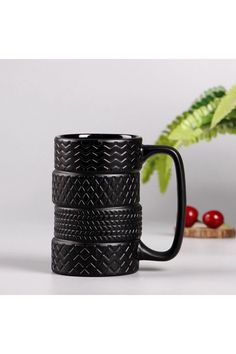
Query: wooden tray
point(205, 232)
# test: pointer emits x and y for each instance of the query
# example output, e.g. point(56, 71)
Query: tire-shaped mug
point(98, 216)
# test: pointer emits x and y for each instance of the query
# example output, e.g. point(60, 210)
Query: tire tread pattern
point(95, 259)
point(78, 191)
point(98, 225)
point(97, 156)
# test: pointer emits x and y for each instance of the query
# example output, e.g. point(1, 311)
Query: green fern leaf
point(163, 165)
point(184, 130)
point(208, 96)
point(208, 133)
point(191, 127)
point(148, 169)
point(227, 104)
point(150, 164)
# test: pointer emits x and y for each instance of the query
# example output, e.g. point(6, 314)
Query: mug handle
point(144, 252)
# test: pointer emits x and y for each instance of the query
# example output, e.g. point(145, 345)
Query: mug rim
point(98, 136)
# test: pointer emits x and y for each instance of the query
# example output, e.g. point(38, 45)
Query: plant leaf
point(190, 127)
point(208, 96)
point(148, 169)
point(227, 104)
point(163, 165)
point(224, 127)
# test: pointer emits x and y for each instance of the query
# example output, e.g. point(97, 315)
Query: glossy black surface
point(96, 192)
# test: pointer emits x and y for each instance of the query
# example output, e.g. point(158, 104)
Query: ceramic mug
point(96, 192)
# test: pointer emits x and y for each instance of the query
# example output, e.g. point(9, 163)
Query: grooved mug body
point(96, 192)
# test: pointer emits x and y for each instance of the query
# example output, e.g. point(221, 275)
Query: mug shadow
point(43, 264)
point(26, 263)
point(151, 269)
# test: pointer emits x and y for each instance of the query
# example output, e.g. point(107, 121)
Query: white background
point(43, 98)
point(132, 29)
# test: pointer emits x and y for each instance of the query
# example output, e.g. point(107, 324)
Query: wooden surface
point(200, 232)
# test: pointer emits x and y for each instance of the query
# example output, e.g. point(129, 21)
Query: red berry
point(191, 216)
point(213, 218)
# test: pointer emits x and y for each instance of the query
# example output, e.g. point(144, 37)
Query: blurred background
point(44, 98)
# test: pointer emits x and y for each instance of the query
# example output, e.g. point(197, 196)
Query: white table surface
point(202, 266)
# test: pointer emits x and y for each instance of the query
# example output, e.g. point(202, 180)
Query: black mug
point(96, 192)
